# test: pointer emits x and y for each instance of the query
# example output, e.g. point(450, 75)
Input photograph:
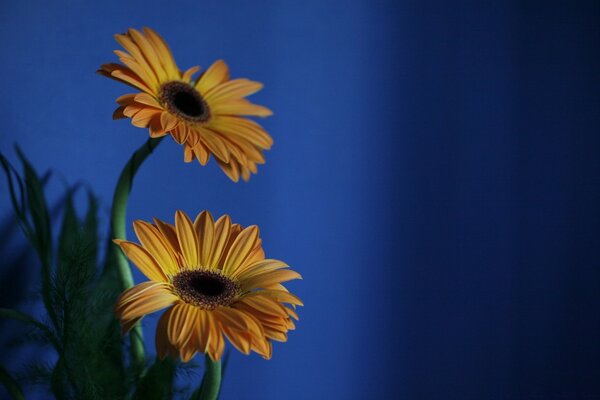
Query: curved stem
point(119, 231)
point(211, 383)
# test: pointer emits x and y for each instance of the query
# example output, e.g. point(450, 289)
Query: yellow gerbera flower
point(215, 281)
point(205, 114)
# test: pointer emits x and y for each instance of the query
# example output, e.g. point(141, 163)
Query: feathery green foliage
point(78, 301)
point(78, 292)
point(11, 385)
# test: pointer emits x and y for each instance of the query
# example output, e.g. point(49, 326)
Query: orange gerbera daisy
point(215, 281)
point(205, 115)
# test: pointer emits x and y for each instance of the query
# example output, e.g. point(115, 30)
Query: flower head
point(214, 280)
point(205, 115)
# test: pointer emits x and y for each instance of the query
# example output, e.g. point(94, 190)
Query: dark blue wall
point(435, 178)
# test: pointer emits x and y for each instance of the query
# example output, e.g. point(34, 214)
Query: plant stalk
point(211, 382)
point(119, 231)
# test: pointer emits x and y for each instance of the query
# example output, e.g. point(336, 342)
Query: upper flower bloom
point(215, 281)
point(203, 114)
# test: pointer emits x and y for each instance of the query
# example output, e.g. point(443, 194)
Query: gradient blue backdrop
point(435, 179)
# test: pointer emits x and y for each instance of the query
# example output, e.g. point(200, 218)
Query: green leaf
point(90, 225)
point(41, 236)
point(36, 203)
point(92, 356)
point(11, 385)
point(18, 202)
point(29, 320)
point(91, 363)
point(59, 381)
point(158, 381)
point(69, 230)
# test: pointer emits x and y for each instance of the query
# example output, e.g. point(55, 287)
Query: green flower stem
point(119, 231)
point(211, 382)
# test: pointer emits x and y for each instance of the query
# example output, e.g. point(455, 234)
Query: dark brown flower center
point(204, 288)
point(184, 101)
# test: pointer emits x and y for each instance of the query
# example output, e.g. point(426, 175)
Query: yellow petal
point(240, 107)
point(181, 323)
point(243, 128)
point(201, 153)
point(180, 133)
point(256, 255)
point(193, 137)
point(214, 75)
point(234, 89)
point(216, 343)
point(148, 100)
point(268, 278)
point(128, 325)
point(156, 129)
point(129, 77)
point(266, 305)
point(231, 169)
point(126, 99)
point(255, 328)
point(232, 318)
point(143, 73)
point(143, 117)
point(168, 121)
point(118, 113)
point(157, 245)
point(259, 267)
point(163, 346)
point(262, 347)
point(240, 340)
point(279, 295)
point(168, 232)
point(151, 299)
point(291, 313)
point(128, 44)
point(149, 54)
point(142, 260)
point(188, 351)
point(203, 330)
point(222, 230)
point(250, 151)
point(276, 335)
point(263, 318)
point(204, 226)
point(188, 154)
point(212, 140)
point(135, 291)
point(188, 241)
point(187, 75)
point(133, 109)
point(240, 249)
point(163, 52)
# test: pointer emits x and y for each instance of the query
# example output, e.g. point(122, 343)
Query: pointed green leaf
point(90, 225)
point(59, 381)
point(36, 203)
point(29, 320)
point(69, 229)
point(18, 202)
point(11, 385)
point(41, 236)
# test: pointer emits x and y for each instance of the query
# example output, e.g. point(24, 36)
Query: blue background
point(435, 178)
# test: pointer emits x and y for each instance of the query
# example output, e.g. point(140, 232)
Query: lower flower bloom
point(214, 280)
